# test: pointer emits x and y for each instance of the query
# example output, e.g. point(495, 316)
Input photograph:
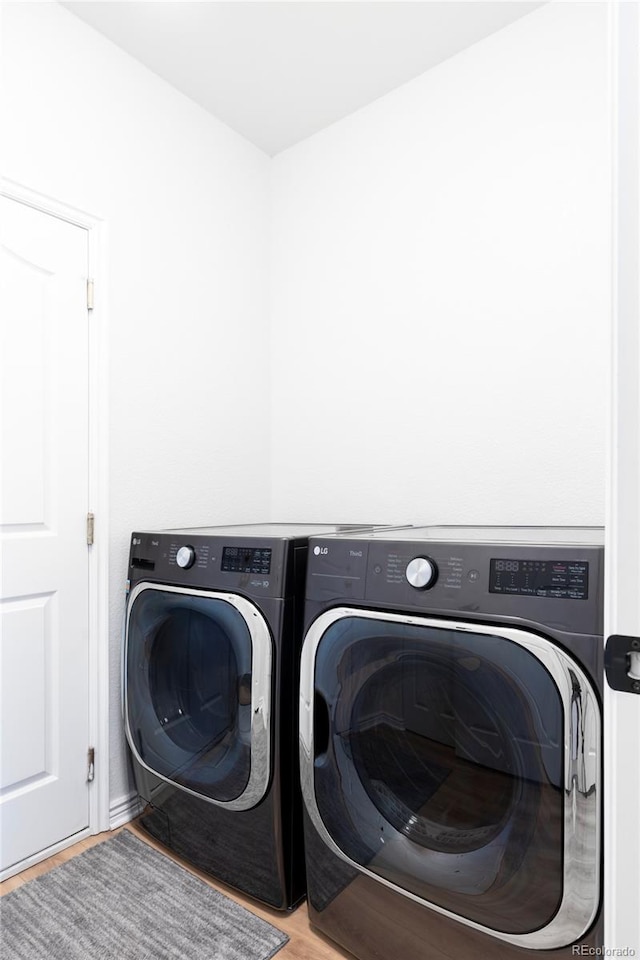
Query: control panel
point(246, 559)
point(559, 579)
point(255, 567)
point(558, 585)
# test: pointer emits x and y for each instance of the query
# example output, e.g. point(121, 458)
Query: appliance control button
point(186, 557)
point(421, 573)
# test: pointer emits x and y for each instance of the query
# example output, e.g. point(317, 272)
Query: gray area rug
point(123, 900)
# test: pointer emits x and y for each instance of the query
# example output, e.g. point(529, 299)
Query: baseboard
point(123, 810)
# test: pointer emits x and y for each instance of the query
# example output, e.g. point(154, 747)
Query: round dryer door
point(459, 765)
point(197, 692)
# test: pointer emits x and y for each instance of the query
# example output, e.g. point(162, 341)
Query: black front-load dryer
point(450, 742)
point(210, 671)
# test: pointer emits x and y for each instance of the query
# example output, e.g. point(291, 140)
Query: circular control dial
point(186, 557)
point(421, 573)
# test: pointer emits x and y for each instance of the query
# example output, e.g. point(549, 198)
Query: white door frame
point(622, 615)
point(98, 498)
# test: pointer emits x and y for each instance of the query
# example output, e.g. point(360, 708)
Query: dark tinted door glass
point(189, 691)
point(438, 766)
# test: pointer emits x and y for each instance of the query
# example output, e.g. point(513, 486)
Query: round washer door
point(459, 765)
point(197, 692)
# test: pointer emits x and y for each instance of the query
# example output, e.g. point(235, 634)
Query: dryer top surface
point(543, 536)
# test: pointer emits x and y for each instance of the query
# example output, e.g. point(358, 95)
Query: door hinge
point(89, 294)
point(91, 764)
point(90, 528)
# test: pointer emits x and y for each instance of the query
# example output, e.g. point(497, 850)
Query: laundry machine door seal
point(259, 706)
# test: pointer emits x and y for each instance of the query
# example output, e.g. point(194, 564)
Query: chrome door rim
point(582, 762)
point(261, 671)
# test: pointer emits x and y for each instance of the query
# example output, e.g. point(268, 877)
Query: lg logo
point(321, 551)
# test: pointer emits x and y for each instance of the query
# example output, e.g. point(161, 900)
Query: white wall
point(440, 291)
point(186, 204)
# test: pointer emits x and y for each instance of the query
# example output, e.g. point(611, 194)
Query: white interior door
point(44, 659)
point(622, 709)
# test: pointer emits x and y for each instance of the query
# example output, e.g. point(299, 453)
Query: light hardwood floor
point(304, 943)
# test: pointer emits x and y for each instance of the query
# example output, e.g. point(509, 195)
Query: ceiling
point(279, 72)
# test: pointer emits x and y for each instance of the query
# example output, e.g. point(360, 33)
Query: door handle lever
point(622, 663)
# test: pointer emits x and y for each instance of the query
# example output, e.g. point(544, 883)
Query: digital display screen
point(246, 559)
point(560, 579)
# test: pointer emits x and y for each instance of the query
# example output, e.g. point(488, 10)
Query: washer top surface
point(483, 534)
point(284, 531)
